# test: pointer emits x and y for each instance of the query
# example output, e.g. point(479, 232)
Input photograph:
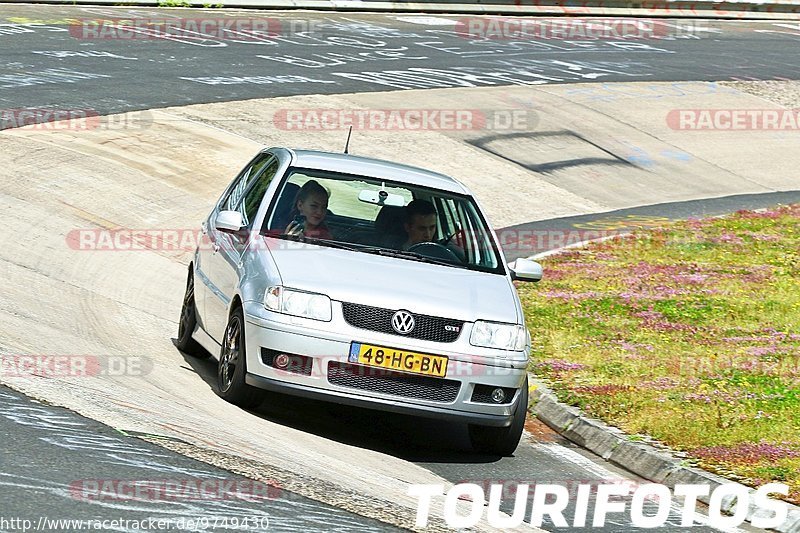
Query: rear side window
point(254, 196)
point(248, 192)
point(245, 180)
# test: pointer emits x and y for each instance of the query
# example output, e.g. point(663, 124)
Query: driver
point(419, 223)
point(420, 226)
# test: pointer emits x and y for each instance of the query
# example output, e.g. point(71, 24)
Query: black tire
point(501, 441)
point(232, 367)
point(188, 321)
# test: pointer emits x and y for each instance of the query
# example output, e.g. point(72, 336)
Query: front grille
point(394, 383)
point(427, 328)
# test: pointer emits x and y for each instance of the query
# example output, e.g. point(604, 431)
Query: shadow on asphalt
point(405, 437)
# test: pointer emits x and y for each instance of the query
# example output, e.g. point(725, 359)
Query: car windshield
point(369, 215)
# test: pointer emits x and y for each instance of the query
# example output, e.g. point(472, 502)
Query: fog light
point(498, 395)
point(281, 361)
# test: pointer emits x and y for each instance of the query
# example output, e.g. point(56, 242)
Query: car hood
point(396, 283)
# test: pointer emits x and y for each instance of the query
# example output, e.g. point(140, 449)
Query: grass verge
point(689, 334)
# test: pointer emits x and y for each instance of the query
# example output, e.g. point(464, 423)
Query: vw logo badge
point(403, 322)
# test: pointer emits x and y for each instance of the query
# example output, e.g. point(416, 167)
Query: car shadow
point(405, 437)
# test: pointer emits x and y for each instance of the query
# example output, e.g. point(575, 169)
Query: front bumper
point(328, 353)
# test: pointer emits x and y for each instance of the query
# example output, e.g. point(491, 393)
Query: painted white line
point(566, 455)
point(427, 21)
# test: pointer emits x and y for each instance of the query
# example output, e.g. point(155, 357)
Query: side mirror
point(229, 222)
point(525, 270)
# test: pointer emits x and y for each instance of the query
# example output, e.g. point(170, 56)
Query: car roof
point(375, 168)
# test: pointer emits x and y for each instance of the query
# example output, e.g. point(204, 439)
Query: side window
point(445, 207)
point(478, 245)
point(253, 197)
point(231, 202)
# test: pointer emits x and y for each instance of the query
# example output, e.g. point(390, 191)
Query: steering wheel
point(434, 250)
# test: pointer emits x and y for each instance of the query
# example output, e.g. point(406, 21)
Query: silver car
point(353, 310)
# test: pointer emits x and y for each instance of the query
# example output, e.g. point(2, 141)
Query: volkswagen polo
point(361, 314)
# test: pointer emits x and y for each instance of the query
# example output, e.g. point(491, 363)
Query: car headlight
point(297, 303)
point(497, 335)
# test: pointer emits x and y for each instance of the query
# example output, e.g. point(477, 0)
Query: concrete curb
point(645, 460)
point(725, 9)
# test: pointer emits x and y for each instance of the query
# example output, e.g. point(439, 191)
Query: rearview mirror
point(525, 270)
point(381, 198)
point(229, 222)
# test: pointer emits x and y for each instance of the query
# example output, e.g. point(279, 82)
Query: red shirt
point(320, 232)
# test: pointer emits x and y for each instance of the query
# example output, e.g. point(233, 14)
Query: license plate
point(394, 359)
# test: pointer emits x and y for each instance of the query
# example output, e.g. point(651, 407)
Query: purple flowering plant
point(688, 333)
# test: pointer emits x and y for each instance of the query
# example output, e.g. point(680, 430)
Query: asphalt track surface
point(63, 467)
point(45, 65)
point(48, 60)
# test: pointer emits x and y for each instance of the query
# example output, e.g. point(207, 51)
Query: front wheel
point(501, 441)
point(232, 367)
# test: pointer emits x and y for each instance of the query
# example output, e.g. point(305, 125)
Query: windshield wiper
point(377, 250)
point(335, 244)
point(324, 242)
point(405, 254)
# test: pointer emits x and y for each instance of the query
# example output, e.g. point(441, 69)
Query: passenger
point(310, 209)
